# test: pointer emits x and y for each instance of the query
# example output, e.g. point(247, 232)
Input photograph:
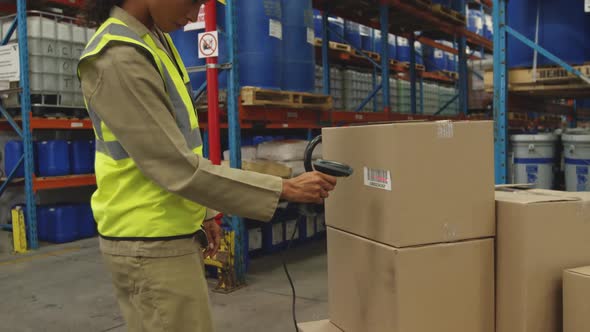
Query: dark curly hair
point(98, 11)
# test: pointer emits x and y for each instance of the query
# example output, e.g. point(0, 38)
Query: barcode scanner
point(332, 168)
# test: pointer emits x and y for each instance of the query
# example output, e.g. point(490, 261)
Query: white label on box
point(444, 129)
point(254, 239)
point(587, 6)
point(9, 63)
point(438, 54)
point(378, 178)
point(310, 36)
point(290, 226)
point(277, 234)
point(275, 29)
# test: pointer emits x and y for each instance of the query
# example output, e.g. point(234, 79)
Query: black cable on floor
point(294, 295)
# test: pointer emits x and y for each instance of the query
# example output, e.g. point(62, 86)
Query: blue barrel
point(377, 42)
point(86, 226)
point(260, 43)
point(317, 24)
point(53, 158)
point(366, 38)
point(564, 30)
point(188, 48)
point(419, 53)
point(13, 151)
point(390, 43)
point(43, 220)
point(451, 62)
point(403, 49)
point(392, 46)
point(336, 25)
point(298, 46)
point(187, 44)
point(475, 21)
point(352, 33)
point(434, 59)
point(82, 157)
point(57, 223)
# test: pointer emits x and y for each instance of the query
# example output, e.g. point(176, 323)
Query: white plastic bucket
point(534, 159)
point(576, 150)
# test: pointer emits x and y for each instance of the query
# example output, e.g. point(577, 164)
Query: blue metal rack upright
point(234, 132)
point(20, 25)
point(501, 31)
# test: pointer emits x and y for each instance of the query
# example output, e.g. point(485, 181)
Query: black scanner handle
point(329, 167)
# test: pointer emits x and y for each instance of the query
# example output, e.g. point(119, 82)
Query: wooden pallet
point(424, 4)
point(451, 74)
point(406, 65)
point(448, 13)
point(375, 56)
point(253, 96)
point(335, 46)
point(548, 81)
point(517, 116)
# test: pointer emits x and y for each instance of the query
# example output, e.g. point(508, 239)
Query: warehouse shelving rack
point(501, 73)
point(372, 13)
point(26, 124)
point(414, 19)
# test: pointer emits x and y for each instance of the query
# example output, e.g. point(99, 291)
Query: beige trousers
point(162, 294)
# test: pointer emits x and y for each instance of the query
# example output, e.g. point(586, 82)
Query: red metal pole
point(213, 90)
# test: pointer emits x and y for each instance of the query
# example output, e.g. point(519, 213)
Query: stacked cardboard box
point(539, 234)
point(410, 243)
point(576, 291)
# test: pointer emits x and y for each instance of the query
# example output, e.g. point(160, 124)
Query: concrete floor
point(66, 288)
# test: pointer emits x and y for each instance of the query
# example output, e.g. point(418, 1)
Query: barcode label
point(444, 129)
point(378, 178)
point(587, 6)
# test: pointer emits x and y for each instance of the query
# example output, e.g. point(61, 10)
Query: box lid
point(318, 326)
point(533, 196)
point(580, 271)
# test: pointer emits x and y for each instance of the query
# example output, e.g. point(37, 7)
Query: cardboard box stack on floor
point(539, 234)
point(410, 236)
point(576, 306)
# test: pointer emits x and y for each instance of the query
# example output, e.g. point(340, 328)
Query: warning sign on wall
point(208, 45)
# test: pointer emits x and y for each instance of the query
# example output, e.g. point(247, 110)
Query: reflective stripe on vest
point(116, 31)
point(127, 204)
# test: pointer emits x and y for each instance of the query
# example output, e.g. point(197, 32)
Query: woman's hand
point(311, 187)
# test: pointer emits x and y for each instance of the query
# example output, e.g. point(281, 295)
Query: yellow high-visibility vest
point(127, 205)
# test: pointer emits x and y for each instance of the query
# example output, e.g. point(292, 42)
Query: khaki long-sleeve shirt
point(124, 88)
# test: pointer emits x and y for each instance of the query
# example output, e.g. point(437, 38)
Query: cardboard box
point(576, 292)
point(265, 167)
point(318, 326)
point(378, 288)
point(540, 234)
point(414, 183)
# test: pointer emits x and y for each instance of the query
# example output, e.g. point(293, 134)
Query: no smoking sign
point(208, 45)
